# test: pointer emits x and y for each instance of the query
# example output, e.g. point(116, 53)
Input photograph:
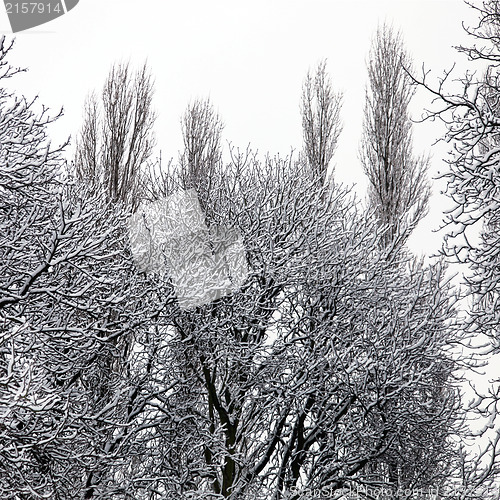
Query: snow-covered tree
point(398, 187)
point(398, 196)
point(69, 296)
point(286, 382)
point(471, 115)
point(321, 125)
point(267, 383)
point(116, 138)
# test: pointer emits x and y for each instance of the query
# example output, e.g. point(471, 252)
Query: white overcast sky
point(249, 57)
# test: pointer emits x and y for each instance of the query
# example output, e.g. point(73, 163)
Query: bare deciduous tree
point(321, 125)
point(398, 190)
point(201, 131)
point(115, 142)
point(472, 119)
point(117, 138)
point(69, 295)
point(398, 197)
point(284, 387)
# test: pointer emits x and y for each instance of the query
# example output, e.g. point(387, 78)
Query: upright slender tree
point(117, 138)
point(398, 188)
point(202, 134)
point(114, 144)
point(321, 126)
point(398, 196)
